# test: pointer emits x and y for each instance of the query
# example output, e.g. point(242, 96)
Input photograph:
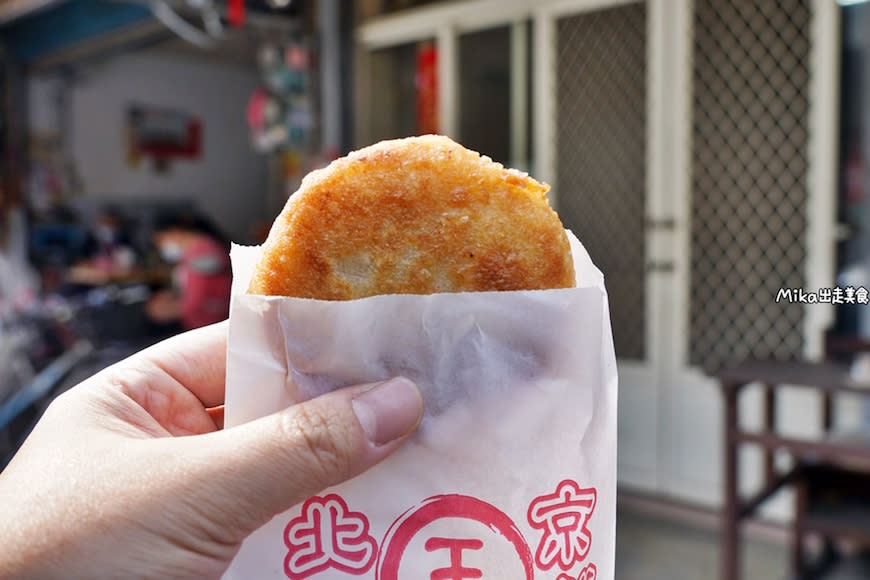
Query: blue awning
point(50, 31)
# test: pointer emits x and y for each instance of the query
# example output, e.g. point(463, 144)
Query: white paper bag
point(512, 474)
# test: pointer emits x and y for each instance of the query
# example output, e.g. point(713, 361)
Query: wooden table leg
point(797, 547)
point(827, 412)
point(769, 427)
point(730, 555)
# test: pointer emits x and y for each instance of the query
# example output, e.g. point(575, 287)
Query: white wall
point(228, 181)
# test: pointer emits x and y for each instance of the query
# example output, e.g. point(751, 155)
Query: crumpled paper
point(512, 474)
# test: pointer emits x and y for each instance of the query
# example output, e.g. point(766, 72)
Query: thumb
point(264, 467)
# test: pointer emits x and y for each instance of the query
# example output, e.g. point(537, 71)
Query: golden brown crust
point(414, 216)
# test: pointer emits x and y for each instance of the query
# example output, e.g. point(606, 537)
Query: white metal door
point(753, 171)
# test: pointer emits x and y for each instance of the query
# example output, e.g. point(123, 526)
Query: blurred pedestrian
point(108, 253)
point(201, 274)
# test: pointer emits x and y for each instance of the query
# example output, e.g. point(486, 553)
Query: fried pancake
point(414, 216)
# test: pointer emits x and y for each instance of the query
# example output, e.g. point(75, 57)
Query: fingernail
point(389, 410)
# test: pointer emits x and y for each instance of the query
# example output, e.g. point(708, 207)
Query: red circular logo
point(439, 507)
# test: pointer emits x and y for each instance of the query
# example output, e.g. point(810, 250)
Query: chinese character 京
point(328, 535)
point(563, 516)
point(862, 296)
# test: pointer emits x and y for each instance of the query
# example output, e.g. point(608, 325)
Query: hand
point(129, 474)
point(164, 306)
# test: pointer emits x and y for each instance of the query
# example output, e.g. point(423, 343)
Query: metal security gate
point(601, 59)
point(750, 132)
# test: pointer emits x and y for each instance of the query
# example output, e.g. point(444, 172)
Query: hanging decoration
point(212, 28)
point(280, 113)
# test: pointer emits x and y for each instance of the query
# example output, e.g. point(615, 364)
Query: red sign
point(163, 133)
point(236, 12)
point(427, 89)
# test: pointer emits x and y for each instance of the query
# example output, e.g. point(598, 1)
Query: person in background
point(18, 281)
point(201, 273)
point(109, 253)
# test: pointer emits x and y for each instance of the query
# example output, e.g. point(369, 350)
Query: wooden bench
point(830, 460)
